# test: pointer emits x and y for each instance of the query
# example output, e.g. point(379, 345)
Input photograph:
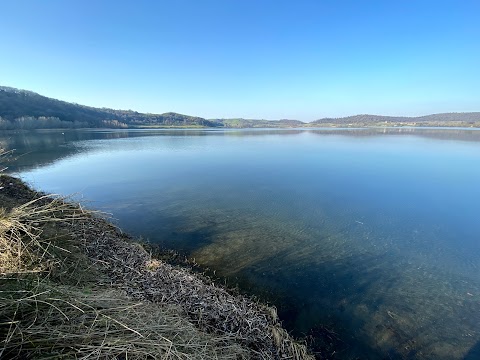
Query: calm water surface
point(373, 234)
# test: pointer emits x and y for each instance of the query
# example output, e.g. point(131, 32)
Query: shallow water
point(372, 233)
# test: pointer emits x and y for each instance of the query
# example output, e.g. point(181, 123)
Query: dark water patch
point(473, 353)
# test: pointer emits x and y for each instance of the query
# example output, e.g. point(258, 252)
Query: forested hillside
point(20, 109)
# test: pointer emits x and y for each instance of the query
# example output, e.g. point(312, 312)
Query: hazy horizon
point(270, 60)
point(258, 118)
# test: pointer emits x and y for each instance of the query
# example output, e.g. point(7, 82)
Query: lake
point(368, 240)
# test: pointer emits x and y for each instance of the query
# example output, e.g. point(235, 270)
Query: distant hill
point(257, 123)
point(22, 109)
point(445, 119)
point(27, 110)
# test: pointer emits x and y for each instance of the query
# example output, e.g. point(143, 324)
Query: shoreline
point(92, 245)
point(307, 126)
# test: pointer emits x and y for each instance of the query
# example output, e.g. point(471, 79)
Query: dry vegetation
point(75, 286)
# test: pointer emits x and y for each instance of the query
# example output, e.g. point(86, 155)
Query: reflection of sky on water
point(374, 234)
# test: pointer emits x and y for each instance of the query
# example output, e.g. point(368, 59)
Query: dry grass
point(22, 248)
point(4, 154)
point(102, 325)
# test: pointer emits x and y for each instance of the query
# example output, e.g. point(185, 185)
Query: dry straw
point(22, 246)
point(102, 325)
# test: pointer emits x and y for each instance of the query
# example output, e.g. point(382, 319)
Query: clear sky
point(247, 58)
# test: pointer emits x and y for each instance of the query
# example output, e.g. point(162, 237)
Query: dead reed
point(66, 323)
point(22, 248)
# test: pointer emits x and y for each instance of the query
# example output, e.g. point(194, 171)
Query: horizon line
point(242, 118)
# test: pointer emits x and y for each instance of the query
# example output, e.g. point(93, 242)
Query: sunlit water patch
point(372, 236)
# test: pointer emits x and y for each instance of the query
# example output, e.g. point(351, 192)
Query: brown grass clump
point(22, 249)
point(66, 323)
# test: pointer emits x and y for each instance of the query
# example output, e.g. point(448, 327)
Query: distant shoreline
point(23, 109)
point(459, 126)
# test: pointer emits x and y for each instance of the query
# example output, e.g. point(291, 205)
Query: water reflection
point(47, 146)
point(455, 134)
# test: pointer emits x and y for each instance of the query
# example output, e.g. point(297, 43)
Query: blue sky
point(250, 58)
